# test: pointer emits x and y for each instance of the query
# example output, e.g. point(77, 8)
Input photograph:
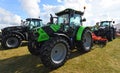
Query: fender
point(80, 32)
point(14, 30)
point(61, 34)
point(20, 34)
point(65, 36)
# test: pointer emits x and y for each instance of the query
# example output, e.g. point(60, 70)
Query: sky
point(13, 11)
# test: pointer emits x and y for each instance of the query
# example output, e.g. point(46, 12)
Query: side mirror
point(113, 22)
point(84, 7)
point(84, 20)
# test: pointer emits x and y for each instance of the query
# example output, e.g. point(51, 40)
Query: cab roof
point(34, 19)
point(107, 21)
point(68, 11)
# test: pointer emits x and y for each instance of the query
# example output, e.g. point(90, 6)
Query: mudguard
point(22, 36)
point(80, 32)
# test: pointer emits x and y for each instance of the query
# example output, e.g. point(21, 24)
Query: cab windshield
point(34, 23)
point(76, 20)
point(63, 19)
point(103, 24)
point(73, 20)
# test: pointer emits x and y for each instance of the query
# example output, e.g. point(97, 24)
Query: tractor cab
point(106, 23)
point(69, 20)
point(31, 23)
point(70, 17)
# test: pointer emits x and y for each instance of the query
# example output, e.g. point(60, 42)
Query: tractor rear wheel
point(54, 52)
point(10, 41)
point(85, 44)
point(114, 35)
point(109, 36)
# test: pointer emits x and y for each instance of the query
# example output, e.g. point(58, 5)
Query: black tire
point(34, 47)
point(109, 36)
point(50, 50)
point(11, 41)
point(86, 42)
point(114, 34)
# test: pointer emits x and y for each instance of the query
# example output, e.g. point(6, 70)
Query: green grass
point(98, 60)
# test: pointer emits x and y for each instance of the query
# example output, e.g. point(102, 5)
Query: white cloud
point(109, 3)
point(96, 10)
point(7, 18)
point(49, 9)
point(59, 1)
point(31, 7)
point(105, 10)
point(76, 4)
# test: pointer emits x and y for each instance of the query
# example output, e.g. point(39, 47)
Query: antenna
point(51, 19)
point(84, 7)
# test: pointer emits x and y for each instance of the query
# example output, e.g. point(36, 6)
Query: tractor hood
point(13, 29)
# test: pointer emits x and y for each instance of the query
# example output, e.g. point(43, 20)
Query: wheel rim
point(12, 42)
point(87, 40)
point(58, 53)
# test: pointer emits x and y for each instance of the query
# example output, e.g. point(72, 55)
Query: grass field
point(98, 60)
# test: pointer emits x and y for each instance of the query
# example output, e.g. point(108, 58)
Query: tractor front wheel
point(54, 52)
point(33, 47)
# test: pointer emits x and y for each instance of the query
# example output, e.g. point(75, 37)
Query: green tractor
point(53, 43)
